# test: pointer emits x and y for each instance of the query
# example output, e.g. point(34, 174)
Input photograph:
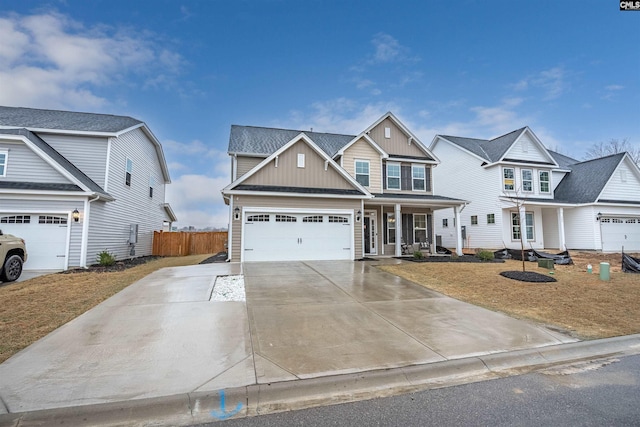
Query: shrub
point(105, 258)
point(485, 255)
point(418, 255)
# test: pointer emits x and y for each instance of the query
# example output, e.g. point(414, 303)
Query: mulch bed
point(528, 276)
point(118, 266)
point(463, 258)
point(219, 257)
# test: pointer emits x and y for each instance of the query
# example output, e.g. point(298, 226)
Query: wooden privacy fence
point(181, 243)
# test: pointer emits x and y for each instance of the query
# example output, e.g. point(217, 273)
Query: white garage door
point(45, 236)
point(270, 236)
point(620, 232)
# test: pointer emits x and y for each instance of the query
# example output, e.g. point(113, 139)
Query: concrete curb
point(201, 407)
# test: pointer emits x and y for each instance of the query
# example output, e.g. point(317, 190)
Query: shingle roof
point(492, 150)
point(265, 141)
point(44, 186)
point(59, 159)
point(562, 160)
point(34, 118)
point(587, 179)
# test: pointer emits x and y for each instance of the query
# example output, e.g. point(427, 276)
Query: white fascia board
point(237, 153)
point(536, 141)
point(434, 202)
point(286, 194)
point(18, 191)
point(62, 131)
point(49, 160)
point(524, 165)
point(442, 138)
point(169, 211)
point(410, 160)
point(367, 138)
point(550, 203)
point(297, 210)
point(314, 147)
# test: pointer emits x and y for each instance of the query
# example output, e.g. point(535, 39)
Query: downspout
point(230, 229)
point(85, 231)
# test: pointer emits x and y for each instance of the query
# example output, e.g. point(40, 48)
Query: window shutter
point(405, 178)
point(427, 175)
point(384, 228)
point(384, 177)
point(407, 227)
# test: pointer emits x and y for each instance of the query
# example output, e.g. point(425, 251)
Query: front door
point(370, 234)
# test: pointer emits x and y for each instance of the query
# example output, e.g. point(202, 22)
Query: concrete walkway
point(302, 324)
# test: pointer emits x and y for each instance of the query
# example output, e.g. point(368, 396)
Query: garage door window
point(313, 218)
point(46, 219)
point(286, 218)
point(333, 218)
point(258, 218)
point(15, 219)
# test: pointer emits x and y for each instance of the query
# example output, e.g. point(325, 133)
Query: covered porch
point(393, 222)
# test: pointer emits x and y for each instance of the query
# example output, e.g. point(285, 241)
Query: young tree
point(518, 200)
point(613, 146)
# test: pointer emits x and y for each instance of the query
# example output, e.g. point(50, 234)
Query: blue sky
point(190, 69)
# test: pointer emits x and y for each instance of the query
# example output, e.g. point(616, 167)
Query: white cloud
point(51, 61)
point(611, 91)
point(552, 82)
point(197, 201)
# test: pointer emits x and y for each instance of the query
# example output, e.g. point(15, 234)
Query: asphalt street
point(594, 393)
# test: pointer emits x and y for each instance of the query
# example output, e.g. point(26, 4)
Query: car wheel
point(12, 269)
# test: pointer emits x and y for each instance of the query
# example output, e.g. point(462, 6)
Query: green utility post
point(604, 271)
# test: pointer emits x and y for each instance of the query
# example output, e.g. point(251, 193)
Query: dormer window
point(4, 155)
point(508, 181)
point(544, 182)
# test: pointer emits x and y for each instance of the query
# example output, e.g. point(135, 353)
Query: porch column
point(456, 213)
point(561, 240)
point(398, 216)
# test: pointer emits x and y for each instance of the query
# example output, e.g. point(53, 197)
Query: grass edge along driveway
point(578, 303)
point(31, 309)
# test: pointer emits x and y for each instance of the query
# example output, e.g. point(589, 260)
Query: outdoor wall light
point(75, 215)
point(236, 213)
point(599, 216)
point(358, 215)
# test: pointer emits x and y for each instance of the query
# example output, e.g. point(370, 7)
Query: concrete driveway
point(162, 336)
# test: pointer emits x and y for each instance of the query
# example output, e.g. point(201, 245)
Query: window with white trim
point(544, 182)
point(4, 155)
point(474, 219)
point(491, 218)
point(128, 172)
point(393, 176)
point(391, 228)
point(420, 228)
point(527, 180)
point(418, 177)
point(362, 172)
point(508, 180)
point(515, 226)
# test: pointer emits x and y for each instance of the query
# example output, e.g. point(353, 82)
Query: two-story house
point(298, 195)
point(76, 184)
point(561, 203)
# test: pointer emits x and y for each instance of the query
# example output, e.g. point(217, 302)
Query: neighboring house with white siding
point(298, 195)
point(565, 203)
point(76, 184)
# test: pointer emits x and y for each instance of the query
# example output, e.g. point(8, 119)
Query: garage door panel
point(45, 236)
point(296, 237)
point(618, 233)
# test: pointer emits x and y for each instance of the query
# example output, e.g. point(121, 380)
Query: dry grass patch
point(578, 302)
point(31, 309)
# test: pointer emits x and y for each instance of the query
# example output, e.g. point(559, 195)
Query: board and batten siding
point(623, 185)
point(244, 164)
point(51, 206)
point(288, 174)
point(292, 202)
point(26, 166)
point(526, 149)
point(109, 222)
point(398, 143)
point(362, 150)
point(89, 154)
point(460, 176)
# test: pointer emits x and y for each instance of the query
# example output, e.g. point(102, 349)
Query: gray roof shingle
point(34, 118)
point(265, 141)
point(563, 161)
point(587, 179)
point(60, 159)
point(491, 150)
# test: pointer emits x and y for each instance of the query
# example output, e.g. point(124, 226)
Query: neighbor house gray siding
point(24, 165)
point(53, 205)
point(110, 221)
point(89, 154)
